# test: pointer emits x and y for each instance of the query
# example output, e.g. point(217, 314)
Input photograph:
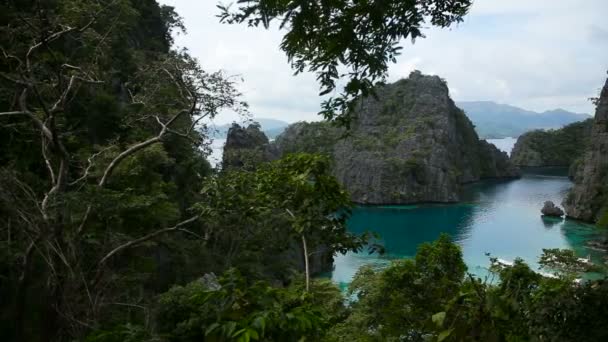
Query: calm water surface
point(501, 218)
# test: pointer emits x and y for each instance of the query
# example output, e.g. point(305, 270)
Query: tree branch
point(136, 242)
point(47, 161)
point(114, 163)
point(24, 111)
point(127, 153)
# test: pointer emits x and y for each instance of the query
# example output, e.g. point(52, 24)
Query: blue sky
point(536, 54)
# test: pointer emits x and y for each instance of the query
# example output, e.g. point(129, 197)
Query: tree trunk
point(306, 268)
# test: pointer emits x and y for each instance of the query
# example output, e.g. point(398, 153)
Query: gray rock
point(210, 281)
point(588, 199)
point(246, 147)
point(550, 209)
point(410, 144)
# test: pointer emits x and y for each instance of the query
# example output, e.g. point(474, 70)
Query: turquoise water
point(500, 218)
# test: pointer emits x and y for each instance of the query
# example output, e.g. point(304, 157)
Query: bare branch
point(84, 220)
point(60, 104)
point(138, 147)
point(191, 233)
point(24, 111)
point(17, 112)
point(8, 78)
point(89, 166)
point(136, 242)
point(47, 40)
point(47, 161)
point(127, 153)
point(146, 238)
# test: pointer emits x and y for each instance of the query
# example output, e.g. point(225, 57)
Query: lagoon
point(501, 218)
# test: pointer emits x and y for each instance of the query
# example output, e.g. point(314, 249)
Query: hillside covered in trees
point(558, 147)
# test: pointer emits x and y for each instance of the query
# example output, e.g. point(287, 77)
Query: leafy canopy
point(345, 38)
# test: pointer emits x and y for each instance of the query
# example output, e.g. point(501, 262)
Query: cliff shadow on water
point(496, 217)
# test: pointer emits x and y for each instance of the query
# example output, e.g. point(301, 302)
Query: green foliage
point(560, 147)
point(565, 262)
point(603, 221)
point(361, 36)
point(101, 149)
point(107, 200)
point(121, 333)
point(430, 299)
point(230, 309)
point(309, 137)
point(399, 300)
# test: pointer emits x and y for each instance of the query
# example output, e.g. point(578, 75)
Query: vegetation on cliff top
point(559, 147)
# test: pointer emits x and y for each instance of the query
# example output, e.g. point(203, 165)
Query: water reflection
point(550, 222)
point(500, 218)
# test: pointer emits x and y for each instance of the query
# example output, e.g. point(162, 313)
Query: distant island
point(494, 120)
point(271, 127)
point(409, 144)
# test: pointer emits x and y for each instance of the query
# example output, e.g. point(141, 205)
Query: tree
point(105, 110)
point(345, 39)
point(294, 200)
point(432, 298)
point(400, 300)
point(231, 309)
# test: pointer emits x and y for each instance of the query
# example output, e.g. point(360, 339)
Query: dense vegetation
point(310, 137)
point(115, 228)
point(558, 147)
point(106, 198)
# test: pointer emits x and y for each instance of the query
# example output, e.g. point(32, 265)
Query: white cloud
point(540, 55)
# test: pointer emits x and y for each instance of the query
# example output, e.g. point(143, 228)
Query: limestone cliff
point(309, 137)
point(588, 199)
point(246, 147)
point(559, 147)
point(409, 144)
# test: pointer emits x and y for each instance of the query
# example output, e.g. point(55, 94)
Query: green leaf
point(438, 318)
point(239, 332)
point(253, 334)
point(444, 334)
point(211, 327)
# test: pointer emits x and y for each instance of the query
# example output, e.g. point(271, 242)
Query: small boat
point(586, 260)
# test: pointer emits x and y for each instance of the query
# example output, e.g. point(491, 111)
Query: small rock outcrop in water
point(559, 147)
point(246, 147)
point(411, 144)
point(588, 199)
point(550, 209)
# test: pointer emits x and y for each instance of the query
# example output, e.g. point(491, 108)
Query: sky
point(535, 54)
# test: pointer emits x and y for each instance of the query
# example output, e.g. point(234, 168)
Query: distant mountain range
point(270, 127)
point(495, 120)
point(492, 120)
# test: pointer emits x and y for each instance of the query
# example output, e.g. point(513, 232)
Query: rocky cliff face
point(246, 147)
point(588, 199)
point(560, 147)
point(411, 144)
point(309, 137)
